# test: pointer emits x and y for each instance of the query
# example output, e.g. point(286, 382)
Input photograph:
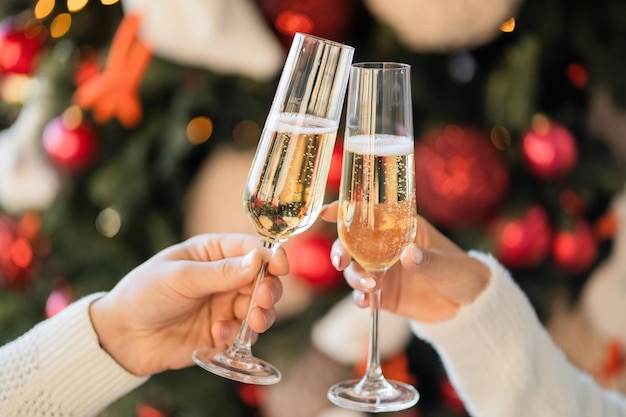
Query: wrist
point(111, 335)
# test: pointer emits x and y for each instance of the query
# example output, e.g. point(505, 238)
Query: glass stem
point(373, 380)
point(242, 347)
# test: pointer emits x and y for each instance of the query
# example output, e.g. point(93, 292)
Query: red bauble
point(334, 173)
point(70, 145)
point(461, 178)
point(524, 240)
point(18, 258)
point(330, 19)
point(309, 259)
point(20, 45)
point(549, 149)
point(61, 297)
point(450, 397)
point(575, 250)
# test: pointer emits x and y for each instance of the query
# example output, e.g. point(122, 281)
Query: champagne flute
point(284, 192)
point(377, 208)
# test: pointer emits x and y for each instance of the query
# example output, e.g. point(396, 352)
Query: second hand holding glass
point(377, 208)
point(285, 189)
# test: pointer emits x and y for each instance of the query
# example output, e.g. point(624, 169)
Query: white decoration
point(27, 179)
point(443, 25)
point(604, 296)
point(343, 334)
point(228, 36)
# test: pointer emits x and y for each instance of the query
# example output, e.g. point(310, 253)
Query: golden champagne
point(378, 213)
point(285, 189)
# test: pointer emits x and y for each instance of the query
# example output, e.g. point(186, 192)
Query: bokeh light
point(462, 66)
point(43, 8)
point(500, 137)
point(246, 133)
point(199, 129)
point(508, 26)
point(577, 75)
point(109, 222)
point(60, 25)
point(17, 88)
point(290, 22)
point(21, 253)
point(76, 5)
point(109, 2)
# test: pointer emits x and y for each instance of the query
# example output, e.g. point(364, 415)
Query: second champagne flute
point(285, 189)
point(377, 209)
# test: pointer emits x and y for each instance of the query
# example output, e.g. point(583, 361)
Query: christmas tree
point(129, 126)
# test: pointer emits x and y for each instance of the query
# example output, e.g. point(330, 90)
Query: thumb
point(206, 278)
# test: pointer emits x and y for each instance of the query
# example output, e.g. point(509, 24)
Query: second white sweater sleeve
point(503, 362)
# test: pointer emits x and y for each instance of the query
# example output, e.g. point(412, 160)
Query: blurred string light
point(18, 88)
point(500, 137)
point(76, 5)
point(109, 2)
point(43, 8)
point(508, 26)
point(199, 130)
point(462, 66)
point(60, 25)
point(246, 133)
point(109, 222)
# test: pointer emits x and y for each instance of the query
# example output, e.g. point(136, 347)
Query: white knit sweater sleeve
point(503, 362)
point(58, 369)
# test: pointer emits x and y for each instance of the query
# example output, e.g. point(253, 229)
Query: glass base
point(380, 396)
point(246, 369)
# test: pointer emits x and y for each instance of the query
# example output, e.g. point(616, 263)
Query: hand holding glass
point(377, 209)
point(285, 189)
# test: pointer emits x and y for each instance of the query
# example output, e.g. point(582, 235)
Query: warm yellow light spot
point(500, 137)
point(109, 222)
point(60, 25)
point(246, 133)
point(199, 130)
point(76, 5)
point(43, 8)
point(508, 26)
point(17, 88)
point(540, 124)
point(109, 2)
point(72, 117)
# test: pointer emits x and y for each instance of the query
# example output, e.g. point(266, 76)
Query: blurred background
point(127, 126)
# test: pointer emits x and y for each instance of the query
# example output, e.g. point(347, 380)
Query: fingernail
point(225, 332)
point(335, 259)
point(368, 282)
point(417, 254)
point(358, 297)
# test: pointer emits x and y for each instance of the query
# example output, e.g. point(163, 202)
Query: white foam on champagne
point(384, 145)
point(302, 124)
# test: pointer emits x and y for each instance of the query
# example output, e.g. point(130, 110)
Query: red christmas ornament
point(549, 149)
point(19, 258)
point(70, 141)
point(460, 177)
point(61, 297)
point(575, 250)
point(334, 174)
point(523, 241)
point(145, 410)
point(450, 397)
point(253, 395)
point(20, 44)
point(309, 259)
point(330, 19)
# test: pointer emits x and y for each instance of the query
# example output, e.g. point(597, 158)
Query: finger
point(261, 319)
point(361, 299)
point(199, 279)
point(268, 292)
point(329, 212)
point(455, 275)
point(278, 263)
point(359, 279)
point(225, 332)
point(339, 256)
